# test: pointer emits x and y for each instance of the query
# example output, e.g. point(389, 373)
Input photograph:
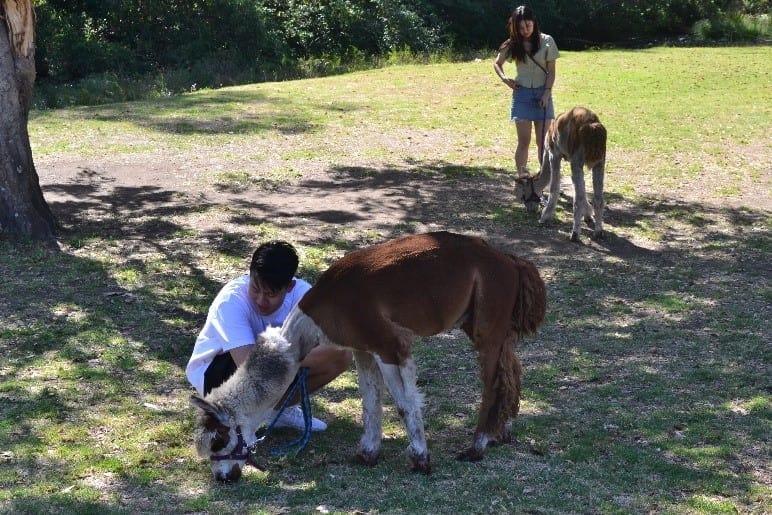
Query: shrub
point(733, 28)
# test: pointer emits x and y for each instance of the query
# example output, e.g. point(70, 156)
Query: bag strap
point(542, 68)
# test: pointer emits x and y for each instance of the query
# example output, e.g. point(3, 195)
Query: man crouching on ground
point(243, 309)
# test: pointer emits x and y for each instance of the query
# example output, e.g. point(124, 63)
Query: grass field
point(647, 390)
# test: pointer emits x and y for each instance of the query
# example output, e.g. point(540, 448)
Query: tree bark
point(23, 210)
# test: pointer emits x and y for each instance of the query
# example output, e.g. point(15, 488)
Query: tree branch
point(20, 18)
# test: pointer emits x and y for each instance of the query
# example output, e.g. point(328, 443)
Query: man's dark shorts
point(219, 370)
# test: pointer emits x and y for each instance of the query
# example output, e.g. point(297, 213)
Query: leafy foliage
point(222, 42)
point(82, 37)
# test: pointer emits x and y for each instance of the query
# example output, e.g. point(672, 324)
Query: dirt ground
point(361, 198)
point(366, 198)
point(356, 198)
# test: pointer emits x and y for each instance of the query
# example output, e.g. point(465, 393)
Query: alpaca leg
point(401, 381)
point(554, 164)
point(500, 373)
point(580, 199)
point(598, 171)
point(370, 386)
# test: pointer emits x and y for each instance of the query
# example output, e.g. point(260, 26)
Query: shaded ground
point(669, 314)
point(382, 201)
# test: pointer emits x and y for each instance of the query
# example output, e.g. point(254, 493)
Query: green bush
point(732, 28)
point(136, 48)
point(101, 88)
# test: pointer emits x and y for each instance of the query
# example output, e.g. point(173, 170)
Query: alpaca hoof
point(369, 459)
point(531, 207)
point(575, 237)
point(470, 454)
point(419, 464)
point(495, 443)
point(598, 235)
point(504, 438)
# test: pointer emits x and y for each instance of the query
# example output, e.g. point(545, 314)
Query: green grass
point(655, 102)
point(646, 390)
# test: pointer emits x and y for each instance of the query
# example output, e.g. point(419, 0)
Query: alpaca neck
point(542, 179)
point(301, 332)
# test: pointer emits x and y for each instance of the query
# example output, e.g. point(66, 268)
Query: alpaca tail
point(527, 315)
point(592, 138)
point(531, 298)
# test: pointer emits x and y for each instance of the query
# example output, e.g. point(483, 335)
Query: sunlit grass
point(667, 91)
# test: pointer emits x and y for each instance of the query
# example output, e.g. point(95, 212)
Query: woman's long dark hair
point(515, 42)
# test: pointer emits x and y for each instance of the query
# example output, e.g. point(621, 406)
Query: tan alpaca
point(579, 137)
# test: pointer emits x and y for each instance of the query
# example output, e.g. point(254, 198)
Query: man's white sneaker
point(293, 417)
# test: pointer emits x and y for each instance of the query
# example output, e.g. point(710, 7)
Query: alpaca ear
point(210, 409)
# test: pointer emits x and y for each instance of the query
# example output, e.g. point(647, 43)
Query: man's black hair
point(275, 263)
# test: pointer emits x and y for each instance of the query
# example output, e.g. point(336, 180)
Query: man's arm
point(239, 354)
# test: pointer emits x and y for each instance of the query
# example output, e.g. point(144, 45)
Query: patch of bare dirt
point(380, 199)
point(322, 200)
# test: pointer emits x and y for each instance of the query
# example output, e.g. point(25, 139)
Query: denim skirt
point(525, 105)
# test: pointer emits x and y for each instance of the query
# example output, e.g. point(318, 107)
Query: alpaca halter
point(240, 452)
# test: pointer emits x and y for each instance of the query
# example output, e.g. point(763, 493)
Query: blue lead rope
point(305, 402)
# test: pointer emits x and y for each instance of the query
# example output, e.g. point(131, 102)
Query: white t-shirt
point(233, 321)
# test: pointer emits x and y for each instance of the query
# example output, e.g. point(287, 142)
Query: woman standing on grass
point(534, 54)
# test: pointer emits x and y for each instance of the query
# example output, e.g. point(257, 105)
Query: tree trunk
point(23, 210)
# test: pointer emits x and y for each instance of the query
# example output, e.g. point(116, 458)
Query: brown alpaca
point(378, 301)
point(579, 137)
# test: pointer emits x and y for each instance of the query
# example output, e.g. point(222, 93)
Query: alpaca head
point(215, 437)
point(529, 192)
point(230, 415)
